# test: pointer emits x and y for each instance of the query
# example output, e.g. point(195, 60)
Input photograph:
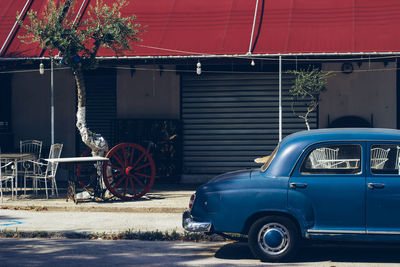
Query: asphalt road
point(71, 252)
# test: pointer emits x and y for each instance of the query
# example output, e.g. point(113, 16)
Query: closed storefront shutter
point(231, 119)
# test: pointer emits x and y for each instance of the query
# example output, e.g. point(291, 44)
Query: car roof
point(293, 145)
point(343, 134)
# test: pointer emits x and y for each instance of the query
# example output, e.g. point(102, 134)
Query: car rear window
point(270, 159)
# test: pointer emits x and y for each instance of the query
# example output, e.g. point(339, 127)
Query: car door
point(327, 188)
point(383, 188)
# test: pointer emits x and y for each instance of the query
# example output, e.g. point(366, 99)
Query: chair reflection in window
point(397, 167)
point(324, 158)
point(379, 156)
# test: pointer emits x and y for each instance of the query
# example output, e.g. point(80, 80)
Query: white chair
point(379, 157)
point(7, 174)
point(46, 170)
point(397, 159)
point(33, 147)
point(324, 158)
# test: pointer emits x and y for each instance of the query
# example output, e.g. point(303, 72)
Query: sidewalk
point(159, 210)
point(162, 198)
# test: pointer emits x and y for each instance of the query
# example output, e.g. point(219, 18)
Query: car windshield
point(270, 158)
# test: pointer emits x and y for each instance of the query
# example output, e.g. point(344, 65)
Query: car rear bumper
point(189, 224)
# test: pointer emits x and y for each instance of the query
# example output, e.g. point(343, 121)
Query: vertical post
point(252, 30)
point(52, 100)
point(280, 98)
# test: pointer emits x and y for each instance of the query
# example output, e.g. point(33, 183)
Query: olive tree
point(308, 86)
point(76, 43)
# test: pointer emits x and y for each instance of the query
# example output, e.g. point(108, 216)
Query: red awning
point(8, 14)
point(224, 27)
point(330, 26)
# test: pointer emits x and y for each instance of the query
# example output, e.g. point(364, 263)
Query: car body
point(318, 184)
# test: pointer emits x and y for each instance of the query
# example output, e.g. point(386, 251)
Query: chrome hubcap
point(274, 238)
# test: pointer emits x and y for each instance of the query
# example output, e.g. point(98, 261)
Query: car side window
point(333, 159)
point(384, 158)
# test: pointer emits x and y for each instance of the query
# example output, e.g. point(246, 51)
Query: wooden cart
point(128, 174)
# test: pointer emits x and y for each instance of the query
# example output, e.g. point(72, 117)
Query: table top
point(15, 155)
point(78, 159)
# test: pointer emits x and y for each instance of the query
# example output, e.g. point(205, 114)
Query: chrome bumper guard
point(191, 225)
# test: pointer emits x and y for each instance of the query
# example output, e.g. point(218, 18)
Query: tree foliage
point(308, 85)
point(60, 31)
point(78, 41)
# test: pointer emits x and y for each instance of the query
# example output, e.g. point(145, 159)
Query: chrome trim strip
point(383, 232)
point(312, 231)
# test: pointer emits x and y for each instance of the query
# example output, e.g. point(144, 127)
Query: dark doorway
point(6, 137)
point(350, 122)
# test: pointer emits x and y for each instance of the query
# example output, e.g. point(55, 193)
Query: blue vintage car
point(320, 184)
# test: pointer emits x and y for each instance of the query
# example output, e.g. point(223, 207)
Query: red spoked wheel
point(86, 172)
point(130, 171)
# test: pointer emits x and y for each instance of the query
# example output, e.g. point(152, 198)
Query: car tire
point(273, 238)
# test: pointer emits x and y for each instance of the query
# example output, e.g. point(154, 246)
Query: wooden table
point(16, 157)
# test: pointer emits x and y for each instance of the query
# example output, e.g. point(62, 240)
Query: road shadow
point(321, 252)
point(74, 252)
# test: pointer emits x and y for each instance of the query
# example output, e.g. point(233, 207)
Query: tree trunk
point(94, 141)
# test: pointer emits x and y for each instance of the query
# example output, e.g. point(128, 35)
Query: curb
point(164, 200)
point(126, 235)
point(94, 209)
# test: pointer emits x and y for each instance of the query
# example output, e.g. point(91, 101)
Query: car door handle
point(297, 185)
point(376, 186)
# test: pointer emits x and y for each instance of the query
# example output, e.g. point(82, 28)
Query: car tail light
point(192, 198)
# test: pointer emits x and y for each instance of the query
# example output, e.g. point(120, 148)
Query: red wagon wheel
point(130, 172)
point(86, 172)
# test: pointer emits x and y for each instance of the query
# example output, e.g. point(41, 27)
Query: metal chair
point(46, 170)
point(379, 157)
point(33, 147)
point(7, 174)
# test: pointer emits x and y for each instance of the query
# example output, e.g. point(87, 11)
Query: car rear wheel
point(273, 238)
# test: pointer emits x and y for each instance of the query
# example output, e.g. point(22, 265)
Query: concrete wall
point(369, 89)
point(31, 109)
point(147, 93)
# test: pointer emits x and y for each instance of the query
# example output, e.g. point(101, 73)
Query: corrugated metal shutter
point(229, 120)
point(101, 110)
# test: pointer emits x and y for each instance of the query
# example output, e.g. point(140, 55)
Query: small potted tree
point(308, 85)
